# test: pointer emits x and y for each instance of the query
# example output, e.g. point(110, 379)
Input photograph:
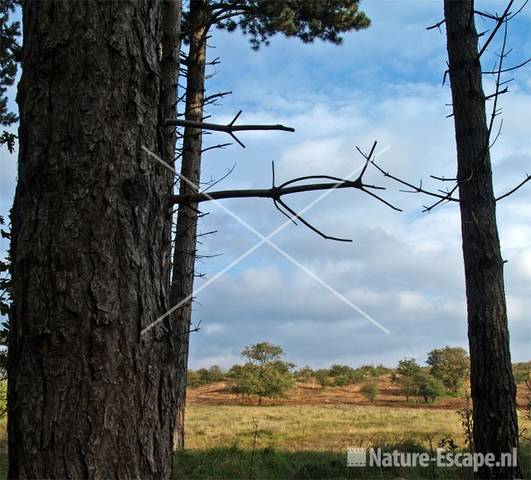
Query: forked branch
point(295, 185)
point(230, 128)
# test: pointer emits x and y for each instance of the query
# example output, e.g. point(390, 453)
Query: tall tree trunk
point(89, 396)
point(492, 382)
point(186, 232)
point(171, 47)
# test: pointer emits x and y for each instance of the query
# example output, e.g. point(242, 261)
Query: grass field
point(310, 441)
point(316, 427)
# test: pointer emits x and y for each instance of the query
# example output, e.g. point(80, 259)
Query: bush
point(304, 374)
point(429, 388)
point(408, 386)
point(340, 371)
point(370, 391)
point(353, 377)
point(322, 377)
point(203, 376)
point(264, 374)
point(406, 377)
point(522, 372)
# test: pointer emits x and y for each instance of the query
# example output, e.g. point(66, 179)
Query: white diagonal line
point(262, 241)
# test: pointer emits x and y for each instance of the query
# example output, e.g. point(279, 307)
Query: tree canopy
point(9, 56)
point(264, 374)
point(303, 19)
point(450, 365)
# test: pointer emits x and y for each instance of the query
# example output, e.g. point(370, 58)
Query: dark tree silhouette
point(492, 383)
point(89, 396)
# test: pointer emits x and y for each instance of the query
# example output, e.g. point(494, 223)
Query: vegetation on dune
point(442, 382)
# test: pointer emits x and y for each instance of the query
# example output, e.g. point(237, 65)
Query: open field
point(316, 427)
point(310, 441)
point(306, 441)
point(306, 435)
point(320, 427)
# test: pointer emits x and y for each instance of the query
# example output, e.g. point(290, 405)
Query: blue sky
point(402, 269)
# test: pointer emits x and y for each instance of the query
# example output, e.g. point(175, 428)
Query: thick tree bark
point(186, 232)
point(89, 396)
point(492, 382)
point(171, 46)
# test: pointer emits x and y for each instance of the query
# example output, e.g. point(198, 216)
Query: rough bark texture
point(492, 383)
point(171, 46)
point(89, 397)
point(186, 232)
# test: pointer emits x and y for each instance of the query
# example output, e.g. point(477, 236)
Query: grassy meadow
point(307, 441)
point(310, 441)
point(316, 427)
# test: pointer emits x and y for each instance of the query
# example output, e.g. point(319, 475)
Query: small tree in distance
point(450, 365)
point(304, 374)
point(429, 387)
point(406, 376)
point(264, 375)
point(322, 377)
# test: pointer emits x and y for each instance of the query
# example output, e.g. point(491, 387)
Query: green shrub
point(370, 391)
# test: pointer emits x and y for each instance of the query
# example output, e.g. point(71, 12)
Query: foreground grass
point(310, 441)
point(270, 464)
point(307, 441)
point(318, 427)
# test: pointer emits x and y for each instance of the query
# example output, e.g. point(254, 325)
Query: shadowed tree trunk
point(186, 232)
point(492, 383)
point(89, 396)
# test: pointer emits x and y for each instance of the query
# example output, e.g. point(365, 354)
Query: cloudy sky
point(402, 270)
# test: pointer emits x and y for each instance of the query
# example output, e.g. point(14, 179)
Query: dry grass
point(318, 427)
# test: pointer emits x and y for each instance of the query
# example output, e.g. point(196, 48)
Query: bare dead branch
point(520, 185)
point(499, 23)
point(276, 193)
point(214, 147)
point(212, 184)
point(437, 25)
point(204, 234)
point(273, 193)
point(443, 179)
point(444, 196)
point(510, 17)
point(487, 15)
point(509, 69)
point(230, 128)
point(495, 94)
point(447, 197)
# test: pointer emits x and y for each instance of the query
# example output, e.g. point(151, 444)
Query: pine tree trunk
point(89, 396)
point(186, 231)
point(492, 383)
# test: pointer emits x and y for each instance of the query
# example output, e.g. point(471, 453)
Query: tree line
point(265, 375)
